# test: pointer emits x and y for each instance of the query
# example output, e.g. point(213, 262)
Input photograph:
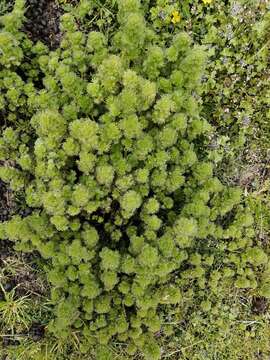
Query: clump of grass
point(15, 312)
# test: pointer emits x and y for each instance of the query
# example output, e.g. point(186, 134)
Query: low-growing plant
point(236, 92)
point(106, 143)
point(14, 312)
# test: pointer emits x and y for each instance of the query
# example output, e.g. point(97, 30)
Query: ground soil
point(260, 305)
point(43, 22)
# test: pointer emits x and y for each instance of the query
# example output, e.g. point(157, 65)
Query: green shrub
point(112, 157)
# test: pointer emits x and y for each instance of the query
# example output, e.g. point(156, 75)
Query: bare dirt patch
point(43, 22)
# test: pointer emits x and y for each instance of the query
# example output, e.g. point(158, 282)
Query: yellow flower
point(176, 17)
point(207, 1)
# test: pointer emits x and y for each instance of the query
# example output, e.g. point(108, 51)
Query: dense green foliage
point(108, 143)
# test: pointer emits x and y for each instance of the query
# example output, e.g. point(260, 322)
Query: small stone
point(246, 120)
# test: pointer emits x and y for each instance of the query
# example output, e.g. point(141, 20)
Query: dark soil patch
point(7, 203)
point(259, 305)
point(43, 22)
point(19, 272)
point(9, 341)
point(37, 331)
point(5, 250)
point(29, 282)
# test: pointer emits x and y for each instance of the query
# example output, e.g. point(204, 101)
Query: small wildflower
point(176, 17)
point(207, 1)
